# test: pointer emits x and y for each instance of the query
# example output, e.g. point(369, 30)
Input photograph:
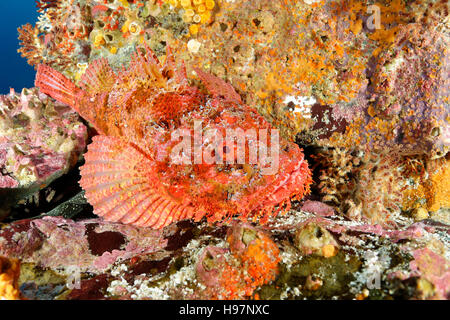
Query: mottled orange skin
point(129, 175)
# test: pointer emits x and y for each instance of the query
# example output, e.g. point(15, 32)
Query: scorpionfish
point(130, 175)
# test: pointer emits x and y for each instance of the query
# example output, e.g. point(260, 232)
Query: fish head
point(235, 163)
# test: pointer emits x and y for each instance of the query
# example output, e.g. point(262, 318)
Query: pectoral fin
point(121, 184)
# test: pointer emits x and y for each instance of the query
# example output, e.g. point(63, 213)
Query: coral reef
point(330, 74)
point(91, 246)
point(380, 189)
point(406, 108)
point(70, 34)
point(235, 273)
point(102, 260)
point(310, 68)
point(313, 238)
point(40, 140)
point(359, 91)
point(430, 188)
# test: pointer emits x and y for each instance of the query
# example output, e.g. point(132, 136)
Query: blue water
point(14, 70)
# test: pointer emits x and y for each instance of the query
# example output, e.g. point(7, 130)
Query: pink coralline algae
point(435, 269)
point(90, 246)
point(209, 264)
point(318, 208)
point(241, 261)
point(405, 108)
point(40, 139)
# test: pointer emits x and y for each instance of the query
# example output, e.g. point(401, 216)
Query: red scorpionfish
point(131, 174)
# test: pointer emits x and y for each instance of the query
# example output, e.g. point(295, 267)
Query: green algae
point(335, 273)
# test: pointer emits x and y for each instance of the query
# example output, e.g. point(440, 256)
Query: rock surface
point(40, 140)
point(298, 255)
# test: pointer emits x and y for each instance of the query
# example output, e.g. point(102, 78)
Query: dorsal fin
point(143, 69)
point(59, 87)
point(151, 56)
point(99, 77)
point(218, 87)
point(179, 73)
point(56, 85)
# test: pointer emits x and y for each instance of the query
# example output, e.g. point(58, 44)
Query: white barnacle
point(193, 46)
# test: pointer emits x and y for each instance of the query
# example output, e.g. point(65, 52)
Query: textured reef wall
point(322, 72)
point(300, 255)
point(361, 86)
point(40, 140)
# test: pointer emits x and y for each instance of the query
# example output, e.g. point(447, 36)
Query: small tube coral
point(314, 238)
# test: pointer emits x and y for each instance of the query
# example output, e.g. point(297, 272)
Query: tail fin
point(56, 85)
